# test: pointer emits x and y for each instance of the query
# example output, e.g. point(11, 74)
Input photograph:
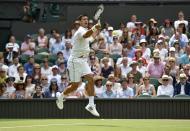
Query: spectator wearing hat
point(109, 37)
point(139, 28)
point(42, 39)
point(152, 23)
point(29, 87)
point(178, 50)
point(38, 93)
point(12, 40)
point(156, 68)
point(3, 93)
point(146, 52)
point(126, 91)
point(10, 54)
point(10, 86)
point(98, 86)
point(115, 48)
point(21, 75)
point(28, 46)
point(76, 25)
point(123, 69)
point(172, 53)
point(29, 66)
point(3, 74)
point(53, 89)
point(146, 88)
point(45, 68)
point(182, 87)
point(58, 45)
point(165, 88)
point(181, 19)
point(167, 70)
point(55, 75)
point(131, 24)
point(20, 90)
point(167, 30)
point(137, 75)
point(162, 50)
point(12, 70)
point(106, 70)
point(109, 93)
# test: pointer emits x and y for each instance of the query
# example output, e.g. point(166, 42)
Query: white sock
point(91, 100)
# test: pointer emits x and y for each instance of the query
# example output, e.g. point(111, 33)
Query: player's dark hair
point(80, 16)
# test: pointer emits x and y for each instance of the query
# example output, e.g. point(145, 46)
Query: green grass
point(93, 125)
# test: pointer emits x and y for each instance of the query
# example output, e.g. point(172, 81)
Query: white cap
point(161, 36)
point(172, 49)
point(55, 66)
point(110, 28)
point(143, 41)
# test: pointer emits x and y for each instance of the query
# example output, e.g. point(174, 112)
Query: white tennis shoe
point(60, 101)
point(92, 110)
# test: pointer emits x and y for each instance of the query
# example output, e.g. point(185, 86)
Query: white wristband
point(94, 28)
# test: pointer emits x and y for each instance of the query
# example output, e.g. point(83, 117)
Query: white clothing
point(177, 22)
point(125, 70)
point(10, 90)
point(182, 92)
point(17, 77)
point(99, 90)
point(125, 93)
point(15, 48)
point(131, 25)
point(12, 70)
point(165, 90)
point(78, 60)
point(29, 90)
point(57, 77)
point(46, 72)
point(142, 70)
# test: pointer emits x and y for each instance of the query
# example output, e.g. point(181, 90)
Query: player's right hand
point(98, 26)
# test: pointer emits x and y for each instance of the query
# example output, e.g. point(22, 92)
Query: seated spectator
point(172, 53)
point(101, 46)
point(146, 88)
point(165, 88)
point(64, 83)
point(186, 70)
point(123, 69)
point(29, 66)
point(21, 75)
point(174, 69)
point(20, 90)
point(137, 35)
point(10, 54)
point(28, 46)
point(115, 48)
point(52, 38)
point(60, 58)
point(106, 70)
point(162, 50)
point(10, 87)
point(167, 30)
point(110, 63)
point(130, 50)
point(42, 39)
point(29, 87)
point(156, 68)
point(116, 86)
point(67, 49)
point(53, 89)
point(125, 92)
point(181, 18)
point(109, 93)
point(36, 75)
point(94, 65)
point(183, 87)
point(137, 75)
point(146, 52)
point(152, 38)
point(3, 74)
point(131, 84)
point(55, 74)
point(46, 69)
point(38, 92)
point(131, 24)
point(138, 55)
point(142, 68)
point(62, 69)
point(124, 38)
point(98, 86)
point(44, 83)
point(185, 57)
point(12, 41)
point(12, 70)
point(3, 93)
point(58, 45)
point(109, 36)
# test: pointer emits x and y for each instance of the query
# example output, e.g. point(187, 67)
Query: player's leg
point(91, 107)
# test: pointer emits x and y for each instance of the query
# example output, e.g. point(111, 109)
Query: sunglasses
point(165, 79)
point(108, 85)
point(44, 79)
point(146, 79)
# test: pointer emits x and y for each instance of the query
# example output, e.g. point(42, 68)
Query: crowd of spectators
point(137, 59)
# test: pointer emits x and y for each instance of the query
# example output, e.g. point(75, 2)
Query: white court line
point(30, 126)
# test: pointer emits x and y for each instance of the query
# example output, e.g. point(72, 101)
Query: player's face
point(84, 21)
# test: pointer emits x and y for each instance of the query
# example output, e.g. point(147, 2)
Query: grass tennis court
point(93, 125)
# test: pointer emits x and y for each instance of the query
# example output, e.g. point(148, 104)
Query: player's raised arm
point(90, 31)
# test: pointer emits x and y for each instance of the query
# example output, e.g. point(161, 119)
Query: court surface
point(93, 125)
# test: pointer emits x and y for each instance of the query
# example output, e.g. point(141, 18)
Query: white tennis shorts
point(78, 67)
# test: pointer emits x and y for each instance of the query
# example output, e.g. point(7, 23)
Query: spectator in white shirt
point(181, 18)
point(12, 70)
point(126, 91)
point(55, 75)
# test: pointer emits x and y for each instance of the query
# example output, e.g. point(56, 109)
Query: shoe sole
point(59, 104)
